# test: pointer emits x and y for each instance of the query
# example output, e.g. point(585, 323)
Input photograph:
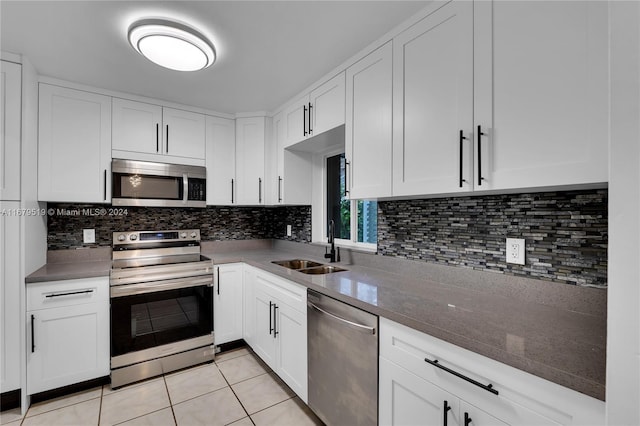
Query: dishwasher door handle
point(360, 327)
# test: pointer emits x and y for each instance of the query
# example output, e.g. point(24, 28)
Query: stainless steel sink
point(308, 266)
point(324, 269)
point(297, 263)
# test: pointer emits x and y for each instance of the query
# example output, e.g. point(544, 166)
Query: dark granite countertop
point(552, 330)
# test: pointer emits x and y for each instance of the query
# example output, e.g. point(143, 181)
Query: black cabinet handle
point(304, 120)
point(167, 147)
point(310, 108)
point(346, 177)
point(218, 281)
point(488, 387)
point(480, 135)
point(231, 191)
point(275, 321)
point(467, 419)
point(446, 410)
point(70, 293)
point(259, 190)
point(270, 317)
point(33, 339)
point(157, 137)
point(105, 185)
point(461, 139)
point(279, 189)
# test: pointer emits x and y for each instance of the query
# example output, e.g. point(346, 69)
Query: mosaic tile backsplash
point(65, 222)
point(565, 233)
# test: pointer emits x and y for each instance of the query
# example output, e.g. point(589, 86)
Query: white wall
point(623, 330)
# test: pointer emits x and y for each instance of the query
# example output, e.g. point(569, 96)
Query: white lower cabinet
point(67, 332)
point(414, 392)
point(227, 303)
point(280, 334)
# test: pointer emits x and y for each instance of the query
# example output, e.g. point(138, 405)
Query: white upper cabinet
point(327, 103)
point(221, 160)
point(501, 95)
point(541, 93)
point(368, 130)
point(184, 133)
point(137, 127)
point(10, 113)
point(315, 113)
point(250, 133)
point(433, 103)
point(74, 145)
point(150, 132)
point(293, 169)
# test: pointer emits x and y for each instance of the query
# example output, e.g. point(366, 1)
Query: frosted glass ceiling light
point(171, 45)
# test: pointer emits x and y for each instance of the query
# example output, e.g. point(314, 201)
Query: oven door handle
point(155, 286)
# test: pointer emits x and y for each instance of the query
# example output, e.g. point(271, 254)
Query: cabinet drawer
point(520, 394)
point(286, 291)
point(55, 294)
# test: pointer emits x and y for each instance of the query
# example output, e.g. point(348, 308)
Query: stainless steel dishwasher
point(343, 362)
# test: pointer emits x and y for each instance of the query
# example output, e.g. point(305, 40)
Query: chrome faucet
point(332, 254)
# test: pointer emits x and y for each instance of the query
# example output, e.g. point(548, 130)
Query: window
point(355, 221)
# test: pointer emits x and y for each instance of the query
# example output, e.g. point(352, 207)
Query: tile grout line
point(234, 394)
point(166, 386)
point(100, 410)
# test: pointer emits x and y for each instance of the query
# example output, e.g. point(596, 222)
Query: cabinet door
point(221, 161)
point(74, 146)
point(136, 127)
point(10, 111)
point(228, 303)
point(297, 121)
point(541, 93)
point(327, 105)
point(406, 399)
point(368, 125)
point(9, 296)
point(184, 133)
point(264, 341)
point(250, 160)
point(433, 103)
point(68, 345)
point(291, 332)
point(279, 142)
point(476, 417)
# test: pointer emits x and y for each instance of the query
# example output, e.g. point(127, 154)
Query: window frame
point(322, 206)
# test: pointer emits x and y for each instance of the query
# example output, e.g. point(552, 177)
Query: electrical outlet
point(515, 251)
point(89, 236)
point(288, 230)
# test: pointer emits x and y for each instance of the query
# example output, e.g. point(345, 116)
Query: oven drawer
point(56, 294)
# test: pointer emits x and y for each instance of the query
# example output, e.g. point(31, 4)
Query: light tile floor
point(238, 389)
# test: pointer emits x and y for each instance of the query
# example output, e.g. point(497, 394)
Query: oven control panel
point(145, 237)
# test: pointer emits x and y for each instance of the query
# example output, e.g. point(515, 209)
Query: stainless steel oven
point(161, 304)
point(141, 183)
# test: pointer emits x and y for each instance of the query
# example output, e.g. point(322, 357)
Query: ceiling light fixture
point(171, 44)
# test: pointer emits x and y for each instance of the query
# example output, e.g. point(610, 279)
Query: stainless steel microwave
point(142, 183)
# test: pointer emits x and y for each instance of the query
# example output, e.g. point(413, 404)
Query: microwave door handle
point(185, 189)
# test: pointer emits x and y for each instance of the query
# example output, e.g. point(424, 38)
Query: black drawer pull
point(467, 419)
point(71, 293)
point(446, 410)
point(461, 138)
point(33, 338)
point(480, 135)
point(231, 191)
point(218, 281)
point(271, 304)
point(279, 189)
point(488, 387)
point(275, 319)
point(310, 108)
point(304, 120)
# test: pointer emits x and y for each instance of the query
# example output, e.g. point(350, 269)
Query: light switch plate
point(288, 230)
point(515, 251)
point(89, 236)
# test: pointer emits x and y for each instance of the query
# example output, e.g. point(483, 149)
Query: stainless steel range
point(161, 304)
